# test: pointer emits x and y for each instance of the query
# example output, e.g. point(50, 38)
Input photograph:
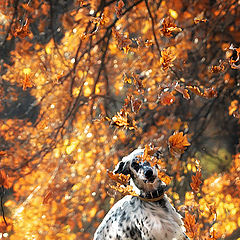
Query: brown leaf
point(168, 27)
point(122, 41)
point(119, 8)
point(135, 104)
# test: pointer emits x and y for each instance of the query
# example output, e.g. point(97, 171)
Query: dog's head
point(143, 177)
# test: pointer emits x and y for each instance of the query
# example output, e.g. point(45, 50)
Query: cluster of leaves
point(84, 84)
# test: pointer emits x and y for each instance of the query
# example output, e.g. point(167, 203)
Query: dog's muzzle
point(149, 173)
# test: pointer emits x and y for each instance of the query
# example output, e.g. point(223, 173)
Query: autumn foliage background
point(85, 82)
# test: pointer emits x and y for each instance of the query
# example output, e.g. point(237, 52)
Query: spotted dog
point(150, 216)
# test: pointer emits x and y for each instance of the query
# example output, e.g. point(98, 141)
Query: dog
point(147, 216)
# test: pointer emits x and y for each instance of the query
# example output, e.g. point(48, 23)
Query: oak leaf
point(167, 57)
point(196, 181)
point(168, 27)
point(177, 143)
point(120, 178)
point(190, 225)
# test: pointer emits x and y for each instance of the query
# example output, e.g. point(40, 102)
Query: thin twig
point(153, 28)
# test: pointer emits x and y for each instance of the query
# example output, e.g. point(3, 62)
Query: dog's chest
point(157, 222)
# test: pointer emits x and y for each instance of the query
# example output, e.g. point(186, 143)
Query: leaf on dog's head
point(119, 178)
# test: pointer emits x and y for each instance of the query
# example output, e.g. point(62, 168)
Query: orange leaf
point(190, 225)
point(26, 82)
point(120, 178)
point(168, 56)
point(166, 98)
point(195, 184)
point(183, 91)
point(168, 27)
point(123, 42)
point(177, 143)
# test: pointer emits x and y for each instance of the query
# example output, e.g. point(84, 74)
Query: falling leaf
point(20, 30)
point(124, 190)
point(190, 225)
point(122, 119)
point(196, 181)
point(168, 27)
point(164, 177)
point(120, 178)
point(135, 104)
point(167, 57)
point(119, 8)
point(27, 82)
point(166, 98)
point(177, 143)
point(122, 41)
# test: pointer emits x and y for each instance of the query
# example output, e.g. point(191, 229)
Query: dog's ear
point(122, 167)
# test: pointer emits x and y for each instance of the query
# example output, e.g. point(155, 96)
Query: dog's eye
point(135, 166)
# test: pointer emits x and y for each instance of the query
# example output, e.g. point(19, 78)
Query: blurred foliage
point(84, 82)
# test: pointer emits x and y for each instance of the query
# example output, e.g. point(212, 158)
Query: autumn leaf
point(166, 98)
point(119, 8)
point(208, 92)
point(190, 225)
point(167, 57)
point(234, 108)
point(200, 18)
point(20, 30)
point(196, 181)
point(218, 69)
point(27, 82)
point(122, 41)
point(135, 104)
point(183, 91)
point(168, 27)
point(124, 190)
point(122, 119)
point(164, 177)
point(120, 178)
point(177, 143)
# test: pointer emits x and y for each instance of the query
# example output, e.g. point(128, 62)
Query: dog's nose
point(149, 173)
